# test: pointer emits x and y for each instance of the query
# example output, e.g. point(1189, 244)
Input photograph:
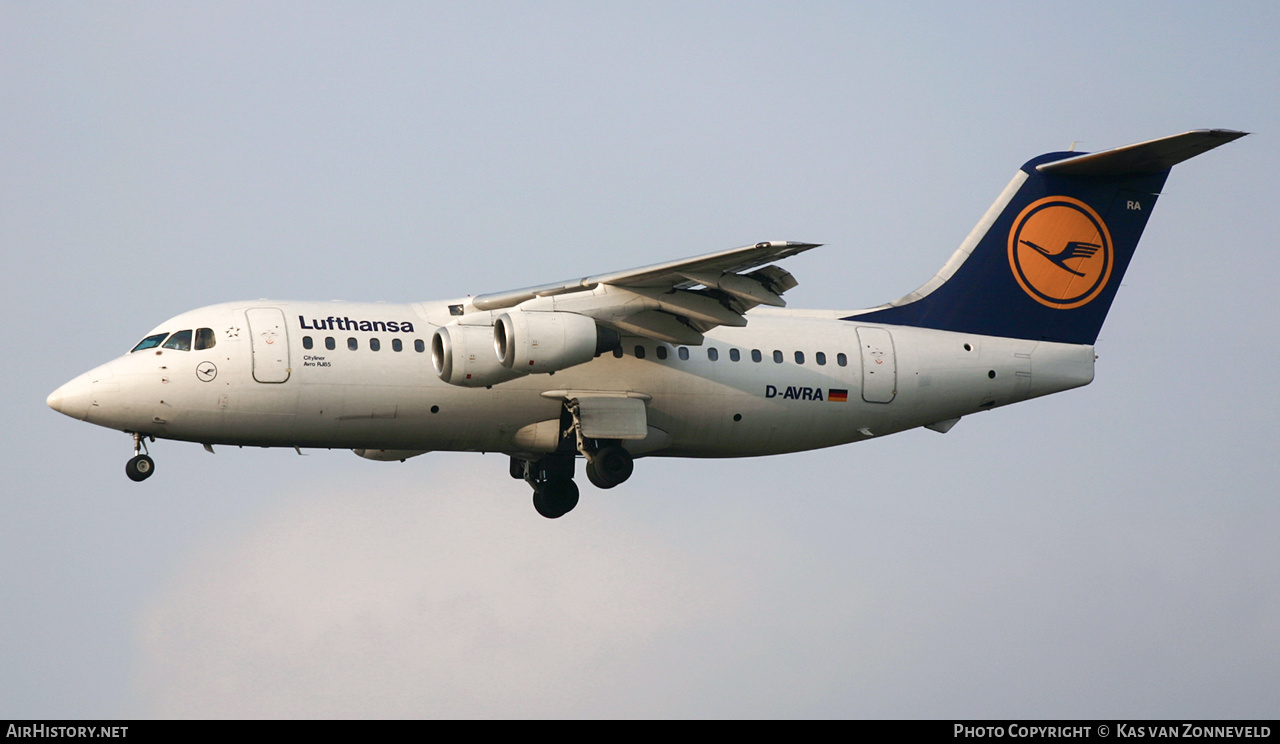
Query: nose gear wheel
point(140, 466)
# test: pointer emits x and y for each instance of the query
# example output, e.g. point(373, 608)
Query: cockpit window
point(150, 342)
point(180, 341)
point(204, 338)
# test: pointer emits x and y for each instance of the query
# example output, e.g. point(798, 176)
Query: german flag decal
point(836, 395)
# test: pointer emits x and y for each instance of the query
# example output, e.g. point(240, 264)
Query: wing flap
point(659, 326)
point(674, 301)
point(668, 274)
point(731, 261)
point(746, 290)
point(692, 305)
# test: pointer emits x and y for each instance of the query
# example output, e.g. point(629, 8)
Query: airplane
point(697, 357)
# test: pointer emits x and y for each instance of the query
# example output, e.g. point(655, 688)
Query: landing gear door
point(879, 365)
point(270, 343)
point(613, 418)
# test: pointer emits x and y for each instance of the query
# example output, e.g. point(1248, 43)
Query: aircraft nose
point(74, 398)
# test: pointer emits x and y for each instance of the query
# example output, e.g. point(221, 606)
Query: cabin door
point(879, 366)
point(270, 343)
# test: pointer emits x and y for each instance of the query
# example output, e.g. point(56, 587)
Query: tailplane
point(1045, 261)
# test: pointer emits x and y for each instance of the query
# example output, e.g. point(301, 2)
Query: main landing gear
point(140, 466)
point(609, 466)
point(554, 492)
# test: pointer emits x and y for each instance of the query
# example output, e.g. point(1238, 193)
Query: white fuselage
point(872, 380)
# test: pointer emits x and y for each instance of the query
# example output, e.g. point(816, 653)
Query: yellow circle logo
point(1060, 252)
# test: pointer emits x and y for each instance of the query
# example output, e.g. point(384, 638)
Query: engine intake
point(461, 355)
point(539, 342)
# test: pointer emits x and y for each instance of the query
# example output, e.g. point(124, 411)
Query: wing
point(675, 301)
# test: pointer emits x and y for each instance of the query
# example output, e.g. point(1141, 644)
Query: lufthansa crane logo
point(1060, 252)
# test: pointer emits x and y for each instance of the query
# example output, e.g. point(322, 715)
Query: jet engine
point(463, 355)
point(538, 342)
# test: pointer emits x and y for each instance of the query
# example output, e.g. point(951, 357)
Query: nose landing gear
point(140, 466)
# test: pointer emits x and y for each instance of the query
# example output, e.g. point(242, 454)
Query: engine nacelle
point(463, 355)
point(538, 342)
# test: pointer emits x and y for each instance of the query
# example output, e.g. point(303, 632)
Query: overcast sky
point(1110, 551)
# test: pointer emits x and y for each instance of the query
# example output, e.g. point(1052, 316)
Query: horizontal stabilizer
point(1152, 156)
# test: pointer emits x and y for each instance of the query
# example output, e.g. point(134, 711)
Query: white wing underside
point(675, 301)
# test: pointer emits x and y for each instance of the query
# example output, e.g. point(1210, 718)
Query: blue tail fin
point(1047, 258)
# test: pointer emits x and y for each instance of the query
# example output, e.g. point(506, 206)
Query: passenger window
point(821, 358)
point(618, 352)
point(204, 339)
point(150, 342)
point(842, 360)
point(419, 345)
point(755, 355)
point(662, 352)
point(396, 345)
point(713, 354)
point(180, 341)
point(777, 356)
point(352, 344)
point(306, 342)
point(734, 355)
point(329, 344)
point(639, 351)
point(683, 353)
point(375, 345)
point(799, 357)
